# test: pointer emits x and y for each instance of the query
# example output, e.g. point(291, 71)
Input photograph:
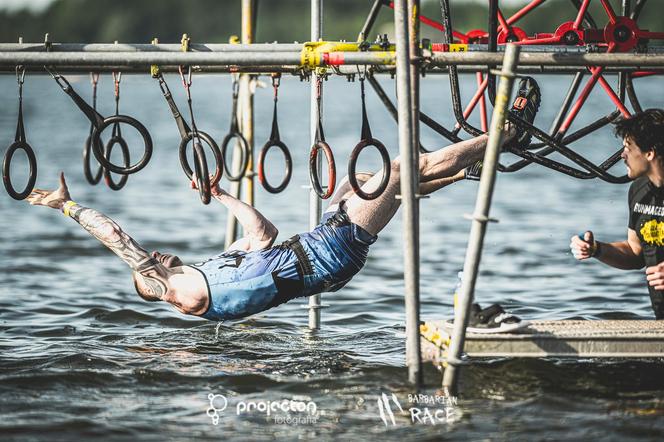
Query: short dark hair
point(645, 128)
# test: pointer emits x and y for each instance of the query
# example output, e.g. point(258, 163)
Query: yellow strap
point(68, 205)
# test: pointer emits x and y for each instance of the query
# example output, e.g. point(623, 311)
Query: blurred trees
point(102, 21)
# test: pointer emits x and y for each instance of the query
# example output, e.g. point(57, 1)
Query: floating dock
point(566, 338)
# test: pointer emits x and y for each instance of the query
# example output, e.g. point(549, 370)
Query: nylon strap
point(94, 116)
point(366, 130)
point(116, 92)
point(235, 126)
point(320, 136)
point(274, 135)
point(94, 78)
point(183, 127)
point(20, 128)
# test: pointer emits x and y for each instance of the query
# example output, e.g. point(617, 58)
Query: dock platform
point(564, 338)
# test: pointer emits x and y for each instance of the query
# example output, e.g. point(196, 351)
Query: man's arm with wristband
point(108, 233)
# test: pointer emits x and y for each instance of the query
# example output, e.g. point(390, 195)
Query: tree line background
point(214, 21)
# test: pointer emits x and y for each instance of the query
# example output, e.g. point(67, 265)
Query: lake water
point(82, 356)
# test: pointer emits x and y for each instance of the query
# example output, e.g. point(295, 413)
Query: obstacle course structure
point(583, 46)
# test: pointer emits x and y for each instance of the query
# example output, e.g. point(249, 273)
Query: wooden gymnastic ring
point(92, 179)
point(331, 169)
point(352, 164)
point(244, 150)
point(96, 144)
point(108, 179)
point(215, 150)
point(6, 170)
point(261, 166)
point(201, 173)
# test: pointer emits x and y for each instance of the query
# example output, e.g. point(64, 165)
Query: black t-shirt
point(646, 218)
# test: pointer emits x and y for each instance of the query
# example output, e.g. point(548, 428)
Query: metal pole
point(127, 60)
point(314, 201)
point(480, 218)
point(409, 162)
point(413, 305)
point(371, 19)
point(246, 118)
point(247, 88)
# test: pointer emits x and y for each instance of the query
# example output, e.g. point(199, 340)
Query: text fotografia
point(424, 409)
point(284, 411)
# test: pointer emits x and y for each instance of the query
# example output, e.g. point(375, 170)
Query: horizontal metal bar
point(292, 59)
point(298, 70)
point(145, 47)
point(145, 59)
point(550, 59)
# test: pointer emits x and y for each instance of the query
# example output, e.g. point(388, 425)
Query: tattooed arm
point(155, 275)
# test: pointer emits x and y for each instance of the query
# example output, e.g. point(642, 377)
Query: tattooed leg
point(155, 275)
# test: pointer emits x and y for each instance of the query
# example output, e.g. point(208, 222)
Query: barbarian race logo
point(652, 232)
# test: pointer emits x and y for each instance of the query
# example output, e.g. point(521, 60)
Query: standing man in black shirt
point(643, 153)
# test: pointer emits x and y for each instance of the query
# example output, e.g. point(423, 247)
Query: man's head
point(643, 141)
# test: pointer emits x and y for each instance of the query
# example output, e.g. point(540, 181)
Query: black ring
point(125, 158)
point(147, 141)
point(6, 168)
point(244, 148)
point(352, 163)
point(261, 166)
point(92, 179)
point(215, 150)
point(201, 171)
point(331, 169)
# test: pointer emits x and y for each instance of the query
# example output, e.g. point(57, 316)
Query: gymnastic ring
point(244, 149)
point(201, 173)
point(331, 169)
point(125, 158)
point(147, 141)
point(261, 166)
point(215, 150)
point(352, 164)
point(6, 169)
point(92, 179)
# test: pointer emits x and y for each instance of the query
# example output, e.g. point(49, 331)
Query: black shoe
point(525, 106)
point(492, 319)
point(474, 172)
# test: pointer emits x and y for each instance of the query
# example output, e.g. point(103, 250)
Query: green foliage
point(101, 21)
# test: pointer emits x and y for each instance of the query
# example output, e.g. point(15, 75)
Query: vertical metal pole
point(480, 218)
point(314, 200)
point(246, 119)
point(247, 101)
point(409, 176)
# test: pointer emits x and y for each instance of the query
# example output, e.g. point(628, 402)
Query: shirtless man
point(253, 276)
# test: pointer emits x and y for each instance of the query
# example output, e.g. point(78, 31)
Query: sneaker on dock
point(493, 319)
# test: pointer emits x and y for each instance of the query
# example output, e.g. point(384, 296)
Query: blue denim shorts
point(245, 283)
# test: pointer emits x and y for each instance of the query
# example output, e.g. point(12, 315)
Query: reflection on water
point(83, 356)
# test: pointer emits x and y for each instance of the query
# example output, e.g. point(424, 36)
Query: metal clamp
point(315, 306)
point(480, 218)
point(417, 196)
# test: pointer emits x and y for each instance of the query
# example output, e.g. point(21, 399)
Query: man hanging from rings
point(253, 275)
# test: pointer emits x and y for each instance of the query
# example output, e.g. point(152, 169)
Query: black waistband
point(294, 244)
